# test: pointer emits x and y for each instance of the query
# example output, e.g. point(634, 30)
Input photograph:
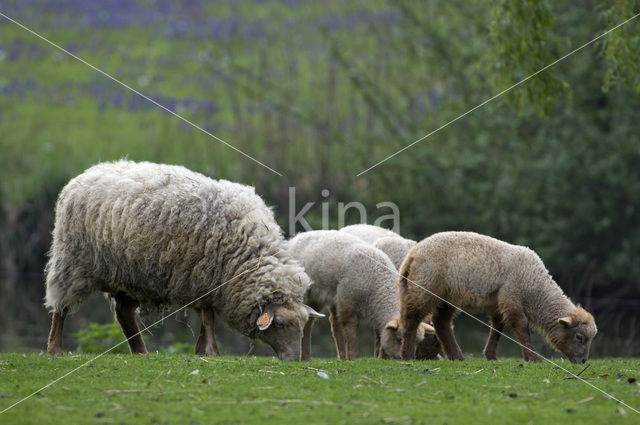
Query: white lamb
point(391, 243)
point(355, 281)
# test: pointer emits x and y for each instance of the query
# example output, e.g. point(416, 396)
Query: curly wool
point(165, 235)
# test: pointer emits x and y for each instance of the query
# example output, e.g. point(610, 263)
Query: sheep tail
point(404, 274)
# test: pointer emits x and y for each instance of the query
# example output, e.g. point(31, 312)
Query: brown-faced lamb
point(509, 282)
point(355, 281)
point(152, 235)
point(391, 243)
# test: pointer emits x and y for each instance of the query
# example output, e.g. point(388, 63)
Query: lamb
point(396, 248)
point(153, 235)
point(391, 243)
point(510, 282)
point(355, 281)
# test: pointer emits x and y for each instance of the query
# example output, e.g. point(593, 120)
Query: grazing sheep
point(368, 233)
point(355, 281)
point(391, 243)
point(510, 282)
point(155, 235)
point(396, 248)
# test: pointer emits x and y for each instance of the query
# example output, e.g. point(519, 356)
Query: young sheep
point(510, 282)
point(392, 244)
point(396, 247)
point(368, 232)
point(355, 281)
point(156, 235)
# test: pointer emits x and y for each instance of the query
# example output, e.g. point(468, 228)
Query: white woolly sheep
point(391, 243)
point(509, 282)
point(396, 247)
point(355, 281)
point(155, 235)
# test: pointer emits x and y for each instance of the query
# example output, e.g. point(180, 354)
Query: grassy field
point(184, 389)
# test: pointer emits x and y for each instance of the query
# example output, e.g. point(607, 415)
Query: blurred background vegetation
point(321, 91)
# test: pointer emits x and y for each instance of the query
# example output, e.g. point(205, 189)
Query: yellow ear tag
point(263, 321)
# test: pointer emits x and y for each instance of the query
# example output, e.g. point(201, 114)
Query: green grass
point(162, 388)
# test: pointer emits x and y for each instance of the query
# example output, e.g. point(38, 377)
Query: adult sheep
point(509, 282)
point(355, 281)
point(391, 243)
point(154, 235)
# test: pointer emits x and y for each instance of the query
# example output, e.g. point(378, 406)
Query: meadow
point(320, 91)
point(185, 389)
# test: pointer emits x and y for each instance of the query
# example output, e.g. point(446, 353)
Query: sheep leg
point(206, 344)
point(126, 316)
point(336, 330)
point(409, 330)
point(306, 340)
point(350, 331)
point(491, 348)
point(54, 344)
point(202, 342)
point(520, 326)
point(442, 320)
point(376, 345)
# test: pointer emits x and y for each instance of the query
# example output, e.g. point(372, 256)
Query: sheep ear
point(265, 319)
point(427, 328)
point(312, 312)
point(392, 324)
point(566, 321)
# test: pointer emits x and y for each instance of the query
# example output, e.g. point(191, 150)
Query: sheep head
point(391, 337)
point(572, 335)
point(281, 327)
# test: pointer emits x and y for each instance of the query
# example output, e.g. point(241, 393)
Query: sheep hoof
point(55, 351)
point(490, 356)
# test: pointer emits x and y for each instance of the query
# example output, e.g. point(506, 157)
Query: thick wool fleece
point(349, 273)
point(165, 235)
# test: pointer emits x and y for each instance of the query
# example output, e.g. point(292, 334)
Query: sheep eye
point(279, 322)
point(580, 338)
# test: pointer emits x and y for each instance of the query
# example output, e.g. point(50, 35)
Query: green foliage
point(178, 389)
point(622, 47)
point(97, 338)
point(181, 348)
point(321, 91)
point(523, 44)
